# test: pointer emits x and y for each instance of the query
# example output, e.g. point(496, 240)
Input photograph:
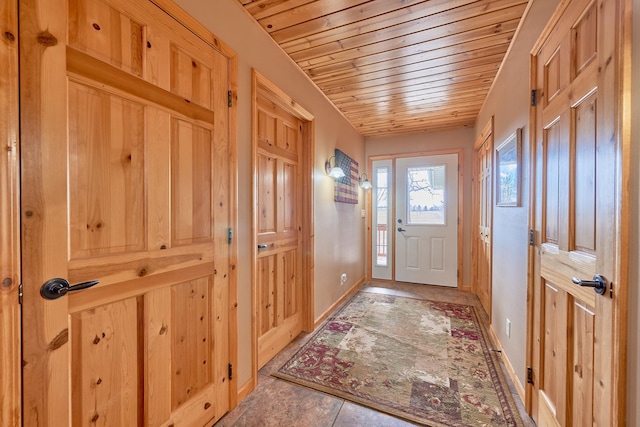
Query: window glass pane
point(382, 213)
point(425, 195)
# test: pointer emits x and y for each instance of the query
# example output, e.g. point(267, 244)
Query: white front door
point(426, 226)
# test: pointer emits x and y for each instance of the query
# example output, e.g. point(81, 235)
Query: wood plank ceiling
point(396, 67)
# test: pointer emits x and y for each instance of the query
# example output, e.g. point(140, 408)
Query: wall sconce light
point(364, 182)
point(335, 171)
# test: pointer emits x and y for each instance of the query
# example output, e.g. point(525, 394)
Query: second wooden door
point(278, 226)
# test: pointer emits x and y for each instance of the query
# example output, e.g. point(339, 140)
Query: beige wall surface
point(339, 230)
point(435, 141)
point(633, 353)
point(508, 102)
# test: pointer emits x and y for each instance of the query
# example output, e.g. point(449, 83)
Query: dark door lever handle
point(262, 246)
point(56, 288)
point(599, 283)
point(401, 229)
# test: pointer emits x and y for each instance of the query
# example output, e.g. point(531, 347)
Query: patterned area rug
point(428, 362)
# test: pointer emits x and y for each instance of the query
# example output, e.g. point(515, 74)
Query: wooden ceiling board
point(375, 23)
point(395, 67)
point(417, 77)
point(399, 66)
point(414, 32)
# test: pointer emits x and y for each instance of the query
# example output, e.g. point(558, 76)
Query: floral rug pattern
point(425, 361)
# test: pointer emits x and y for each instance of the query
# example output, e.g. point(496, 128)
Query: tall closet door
point(125, 175)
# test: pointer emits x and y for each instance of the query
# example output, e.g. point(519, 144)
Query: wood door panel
point(158, 333)
point(277, 284)
point(552, 183)
point(266, 278)
point(552, 77)
point(105, 359)
point(582, 364)
point(191, 169)
point(585, 42)
point(290, 199)
point(191, 338)
point(190, 77)
point(584, 123)
point(106, 173)
point(267, 124)
point(568, 371)
point(290, 140)
point(267, 194)
point(290, 271)
point(99, 29)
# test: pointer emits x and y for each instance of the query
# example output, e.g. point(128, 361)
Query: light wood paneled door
point(483, 210)
point(578, 350)
point(279, 202)
point(126, 180)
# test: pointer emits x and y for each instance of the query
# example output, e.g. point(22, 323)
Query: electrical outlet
point(507, 328)
point(343, 278)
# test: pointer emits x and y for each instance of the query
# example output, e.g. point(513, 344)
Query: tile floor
point(276, 402)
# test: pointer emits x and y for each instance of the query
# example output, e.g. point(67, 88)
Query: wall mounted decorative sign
point(509, 165)
point(346, 188)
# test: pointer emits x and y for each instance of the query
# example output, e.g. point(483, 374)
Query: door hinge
point(230, 235)
point(458, 273)
point(20, 294)
point(532, 238)
point(230, 98)
point(529, 375)
point(230, 371)
point(534, 97)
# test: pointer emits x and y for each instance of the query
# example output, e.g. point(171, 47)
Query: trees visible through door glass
point(425, 195)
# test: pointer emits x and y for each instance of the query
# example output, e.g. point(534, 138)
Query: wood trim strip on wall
point(530, 390)
point(233, 218)
point(10, 278)
point(621, 308)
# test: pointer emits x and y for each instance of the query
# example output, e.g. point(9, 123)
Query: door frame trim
point(392, 248)
point(287, 103)
point(10, 261)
